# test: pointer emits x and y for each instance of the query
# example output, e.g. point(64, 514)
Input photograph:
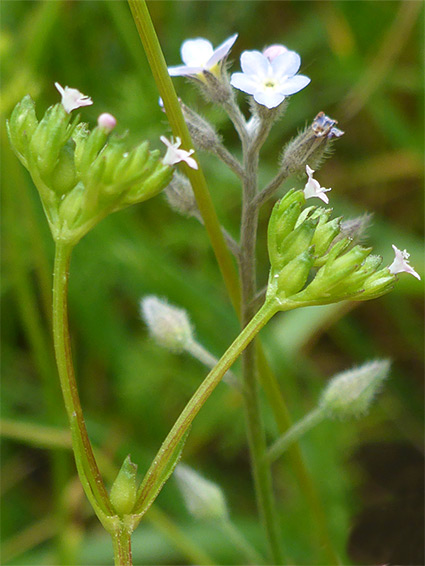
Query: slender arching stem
point(85, 460)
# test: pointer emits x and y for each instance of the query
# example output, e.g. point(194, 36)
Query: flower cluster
point(312, 263)
point(84, 175)
point(269, 77)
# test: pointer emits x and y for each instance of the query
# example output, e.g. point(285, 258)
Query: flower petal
point(183, 71)
point(254, 63)
point(286, 64)
point(269, 98)
point(244, 82)
point(221, 51)
point(196, 52)
point(294, 84)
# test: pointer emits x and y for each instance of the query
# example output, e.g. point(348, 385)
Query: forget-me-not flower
point(269, 79)
point(313, 189)
point(175, 155)
point(199, 55)
point(73, 98)
point(401, 263)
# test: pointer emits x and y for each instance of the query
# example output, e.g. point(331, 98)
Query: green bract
point(311, 264)
point(81, 176)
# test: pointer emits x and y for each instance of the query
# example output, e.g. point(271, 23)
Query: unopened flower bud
point(21, 127)
point(298, 241)
point(311, 146)
point(350, 394)
point(355, 228)
point(51, 134)
point(168, 325)
point(180, 196)
point(106, 121)
point(292, 277)
point(203, 135)
point(64, 176)
point(124, 489)
point(204, 499)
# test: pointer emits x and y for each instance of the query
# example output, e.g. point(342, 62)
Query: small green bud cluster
point(313, 263)
point(168, 325)
point(204, 499)
point(311, 146)
point(124, 489)
point(350, 393)
point(80, 174)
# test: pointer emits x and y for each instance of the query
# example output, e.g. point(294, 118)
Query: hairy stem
point(296, 432)
point(121, 542)
point(255, 428)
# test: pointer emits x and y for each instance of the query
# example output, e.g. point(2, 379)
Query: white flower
point(73, 98)
point(270, 81)
point(401, 263)
point(199, 55)
point(273, 51)
point(312, 187)
point(175, 155)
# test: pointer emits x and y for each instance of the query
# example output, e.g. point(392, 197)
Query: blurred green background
point(365, 62)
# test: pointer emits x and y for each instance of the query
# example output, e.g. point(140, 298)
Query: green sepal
point(124, 489)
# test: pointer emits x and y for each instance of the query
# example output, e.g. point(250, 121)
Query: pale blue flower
point(269, 81)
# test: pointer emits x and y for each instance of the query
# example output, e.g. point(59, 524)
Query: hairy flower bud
point(124, 489)
point(204, 499)
point(311, 146)
point(180, 196)
point(168, 325)
point(350, 393)
point(202, 133)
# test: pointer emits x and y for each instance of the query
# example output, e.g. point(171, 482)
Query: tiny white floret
point(401, 263)
point(269, 80)
point(313, 189)
point(199, 55)
point(175, 155)
point(73, 98)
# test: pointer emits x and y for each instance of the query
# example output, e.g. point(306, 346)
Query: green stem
point(121, 542)
point(295, 433)
point(178, 125)
point(240, 542)
point(84, 457)
point(255, 426)
point(201, 395)
point(268, 379)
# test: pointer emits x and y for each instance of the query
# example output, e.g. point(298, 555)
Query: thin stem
point(227, 158)
point(295, 433)
point(178, 125)
point(238, 539)
point(255, 427)
point(263, 196)
point(202, 393)
point(237, 118)
point(121, 542)
point(200, 353)
point(86, 463)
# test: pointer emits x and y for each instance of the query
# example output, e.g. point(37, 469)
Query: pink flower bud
point(274, 51)
point(106, 121)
